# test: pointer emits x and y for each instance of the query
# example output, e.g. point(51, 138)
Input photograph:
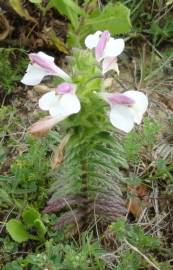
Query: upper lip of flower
point(46, 63)
point(99, 50)
point(120, 99)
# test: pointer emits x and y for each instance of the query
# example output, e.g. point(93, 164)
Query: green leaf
point(17, 231)
point(35, 1)
point(30, 215)
point(17, 6)
point(57, 42)
point(68, 8)
point(4, 197)
point(114, 18)
point(32, 218)
point(41, 229)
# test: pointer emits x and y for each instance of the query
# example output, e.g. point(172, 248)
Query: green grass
point(13, 63)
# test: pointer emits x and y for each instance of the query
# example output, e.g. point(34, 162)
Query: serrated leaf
point(41, 229)
point(30, 215)
point(17, 231)
point(114, 18)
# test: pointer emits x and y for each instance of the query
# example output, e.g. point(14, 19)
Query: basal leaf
point(41, 229)
point(30, 215)
point(32, 218)
point(17, 231)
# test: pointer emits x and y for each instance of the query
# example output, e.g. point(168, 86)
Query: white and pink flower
point(126, 109)
point(61, 103)
point(42, 65)
point(106, 49)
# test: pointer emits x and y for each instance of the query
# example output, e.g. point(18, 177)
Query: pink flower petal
point(65, 88)
point(42, 126)
point(46, 62)
point(120, 99)
point(101, 45)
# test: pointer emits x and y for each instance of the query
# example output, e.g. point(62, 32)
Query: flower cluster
point(126, 108)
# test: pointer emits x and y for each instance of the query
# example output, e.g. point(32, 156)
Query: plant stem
point(143, 255)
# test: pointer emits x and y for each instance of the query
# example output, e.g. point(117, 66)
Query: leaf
point(17, 6)
point(68, 8)
point(4, 197)
point(30, 215)
point(32, 218)
point(5, 27)
point(17, 231)
point(41, 229)
point(35, 1)
point(57, 42)
point(114, 18)
point(59, 153)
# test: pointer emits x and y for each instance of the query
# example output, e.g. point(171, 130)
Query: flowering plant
point(126, 109)
point(89, 114)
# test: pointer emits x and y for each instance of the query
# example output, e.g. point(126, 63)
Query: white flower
point(106, 49)
point(61, 103)
point(127, 108)
point(41, 66)
point(110, 63)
